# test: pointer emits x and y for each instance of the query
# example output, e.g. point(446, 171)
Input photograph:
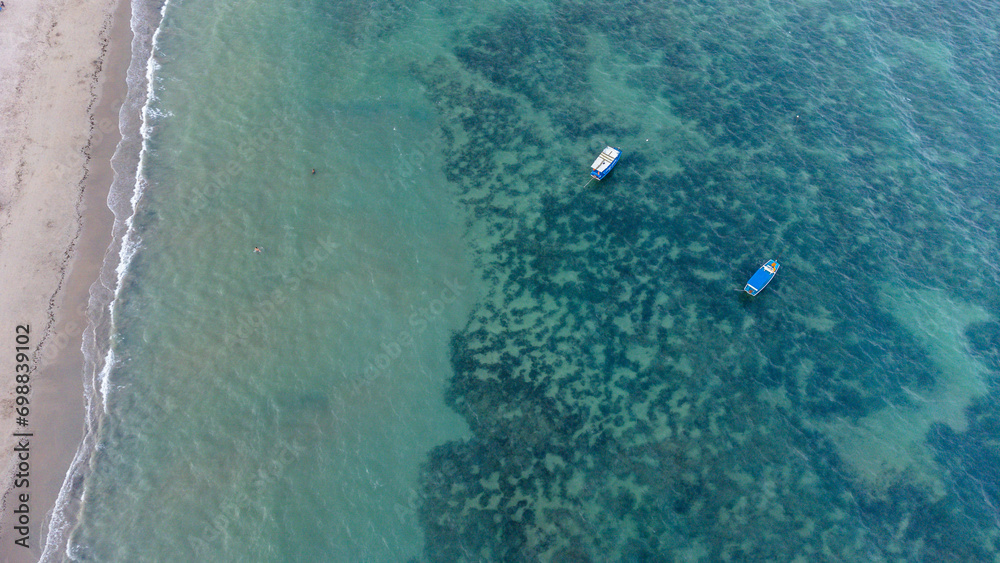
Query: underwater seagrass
point(623, 402)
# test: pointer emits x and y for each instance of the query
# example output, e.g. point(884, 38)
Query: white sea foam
point(123, 198)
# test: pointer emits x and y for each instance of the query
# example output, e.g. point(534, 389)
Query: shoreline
point(74, 78)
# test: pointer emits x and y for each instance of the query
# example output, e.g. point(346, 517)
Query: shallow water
point(452, 347)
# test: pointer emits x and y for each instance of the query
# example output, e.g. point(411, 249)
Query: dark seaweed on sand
point(622, 401)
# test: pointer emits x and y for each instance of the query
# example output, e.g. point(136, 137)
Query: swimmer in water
point(256, 249)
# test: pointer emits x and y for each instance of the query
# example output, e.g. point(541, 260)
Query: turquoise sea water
point(451, 347)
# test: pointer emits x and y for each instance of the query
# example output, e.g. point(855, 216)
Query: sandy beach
point(63, 66)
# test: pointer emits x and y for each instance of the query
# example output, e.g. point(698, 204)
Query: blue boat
point(605, 162)
point(763, 276)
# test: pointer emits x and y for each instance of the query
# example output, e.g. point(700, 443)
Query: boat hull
point(605, 162)
point(762, 277)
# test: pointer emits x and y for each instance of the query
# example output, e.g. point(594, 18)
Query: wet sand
point(64, 81)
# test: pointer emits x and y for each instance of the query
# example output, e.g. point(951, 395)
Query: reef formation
point(627, 402)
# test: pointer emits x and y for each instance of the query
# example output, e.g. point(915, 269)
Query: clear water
point(451, 347)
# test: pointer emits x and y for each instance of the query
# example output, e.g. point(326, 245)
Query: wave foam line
point(99, 357)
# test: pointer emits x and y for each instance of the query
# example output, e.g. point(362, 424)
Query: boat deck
point(605, 162)
point(762, 277)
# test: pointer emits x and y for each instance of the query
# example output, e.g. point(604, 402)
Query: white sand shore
point(62, 79)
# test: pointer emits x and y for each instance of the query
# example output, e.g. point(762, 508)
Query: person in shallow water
point(257, 249)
